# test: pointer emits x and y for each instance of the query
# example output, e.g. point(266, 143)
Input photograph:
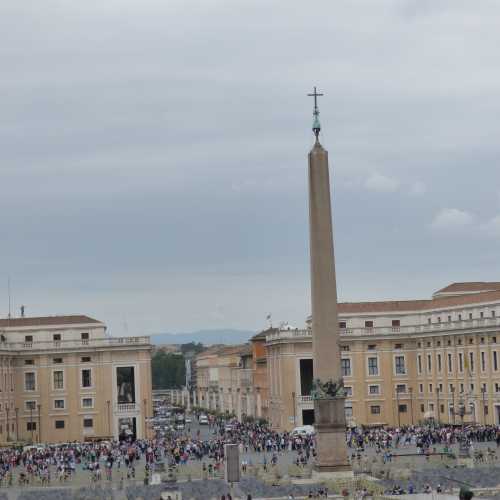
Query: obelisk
point(328, 393)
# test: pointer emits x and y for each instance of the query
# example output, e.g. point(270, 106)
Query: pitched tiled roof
point(47, 321)
point(470, 286)
point(417, 305)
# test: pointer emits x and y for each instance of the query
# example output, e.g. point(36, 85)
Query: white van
point(203, 420)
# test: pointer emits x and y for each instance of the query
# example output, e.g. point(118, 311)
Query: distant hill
point(206, 337)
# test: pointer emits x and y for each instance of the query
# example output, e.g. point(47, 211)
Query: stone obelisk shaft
point(326, 354)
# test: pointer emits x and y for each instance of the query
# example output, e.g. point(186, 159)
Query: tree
point(168, 370)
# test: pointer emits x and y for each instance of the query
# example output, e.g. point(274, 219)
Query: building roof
point(470, 287)
point(47, 321)
point(262, 335)
point(418, 305)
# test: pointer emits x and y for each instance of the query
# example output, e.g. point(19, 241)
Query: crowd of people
point(259, 445)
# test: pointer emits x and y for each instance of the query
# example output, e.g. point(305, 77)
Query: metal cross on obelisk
point(316, 125)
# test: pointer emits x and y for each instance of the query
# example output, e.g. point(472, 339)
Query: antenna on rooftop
point(8, 292)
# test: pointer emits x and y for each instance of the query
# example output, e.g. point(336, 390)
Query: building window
point(398, 346)
point(402, 408)
point(452, 388)
point(375, 410)
point(459, 341)
point(374, 389)
point(400, 365)
point(89, 402)
point(372, 347)
point(486, 410)
point(449, 342)
point(438, 343)
point(59, 424)
point(495, 361)
point(483, 361)
point(31, 426)
point(419, 361)
point(442, 409)
point(470, 315)
point(84, 335)
point(431, 406)
point(86, 359)
point(396, 322)
point(368, 324)
point(439, 363)
point(345, 367)
point(88, 423)
point(57, 361)
point(430, 387)
point(347, 389)
point(422, 407)
point(28, 339)
point(440, 388)
point(429, 344)
point(460, 362)
point(471, 357)
point(29, 381)
point(87, 378)
point(449, 319)
point(30, 405)
point(439, 319)
point(481, 314)
point(58, 380)
point(342, 325)
point(344, 348)
point(429, 362)
point(56, 337)
point(428, 321)
point(461, 388)
point(401, 388)
point(29, 362)
point(492, 314)
point(450, 363)
point(472, 388)
point(421, 388)
point(59, 404)
point(372, 366)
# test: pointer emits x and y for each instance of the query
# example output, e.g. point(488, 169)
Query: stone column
point(238, 404)
point(221, 395)
point(329, 411)
point(259, 403)
point(230, 401)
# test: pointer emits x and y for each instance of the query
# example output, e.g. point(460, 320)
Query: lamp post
point(8, 423)
point(31, 421)
point(483, 392)
point(397, 406)
point(439, 407)
point(452, 409)
point(17, 423)
point(410, 390)
point(39, 424)
point(108, 402)
point(293, 402)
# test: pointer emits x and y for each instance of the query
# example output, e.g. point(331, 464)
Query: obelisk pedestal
point(328, 394)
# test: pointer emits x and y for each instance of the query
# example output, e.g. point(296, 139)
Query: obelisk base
point(331, 448)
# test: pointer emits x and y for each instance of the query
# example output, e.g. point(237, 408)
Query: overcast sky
point(153, 167)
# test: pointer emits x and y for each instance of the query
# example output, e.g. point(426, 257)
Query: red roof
point(47, 321)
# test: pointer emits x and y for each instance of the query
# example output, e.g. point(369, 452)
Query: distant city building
point(63, 379)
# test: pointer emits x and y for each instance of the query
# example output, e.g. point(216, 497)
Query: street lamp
point(483, 392)
point(461, 412)
point(39, 424)
point(293, 402)
point(410, 390)
point(452, 409)
point(397, 405)
point(8, 423)
point(439, 406)
point(31, 421)
point(17, 423)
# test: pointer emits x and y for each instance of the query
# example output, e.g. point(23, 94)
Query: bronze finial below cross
point(316, 124)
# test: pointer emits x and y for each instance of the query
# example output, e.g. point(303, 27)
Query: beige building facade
point(63, 379)
point(402, 361)
point(225, 381)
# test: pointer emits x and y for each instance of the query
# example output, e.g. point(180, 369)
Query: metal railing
point(451, 326)
point(72, 344)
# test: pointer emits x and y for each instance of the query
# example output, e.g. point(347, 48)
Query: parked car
point(203, 420)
